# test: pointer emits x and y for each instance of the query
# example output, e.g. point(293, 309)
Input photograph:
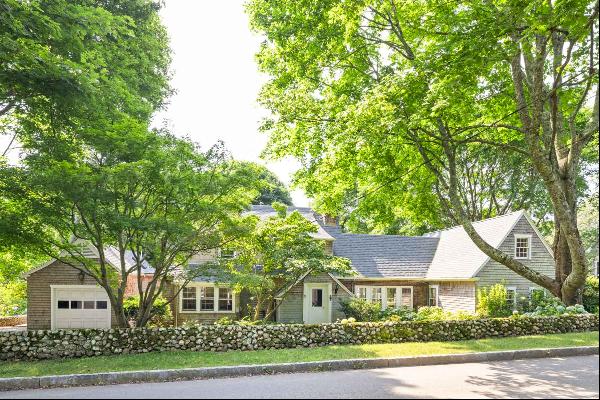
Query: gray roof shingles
point(387, 256)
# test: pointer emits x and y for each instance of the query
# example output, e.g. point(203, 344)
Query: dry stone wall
point(39, 345)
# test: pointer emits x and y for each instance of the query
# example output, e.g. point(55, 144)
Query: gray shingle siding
point(292, 306)
point(541, 261)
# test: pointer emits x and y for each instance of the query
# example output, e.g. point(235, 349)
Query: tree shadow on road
point(531, 379)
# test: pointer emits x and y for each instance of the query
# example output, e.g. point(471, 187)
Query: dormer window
point(522, 246)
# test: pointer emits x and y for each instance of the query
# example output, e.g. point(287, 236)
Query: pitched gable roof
point(387, 256)
point(457, 256)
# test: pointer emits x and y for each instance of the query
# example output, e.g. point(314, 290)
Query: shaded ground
point(573, 377)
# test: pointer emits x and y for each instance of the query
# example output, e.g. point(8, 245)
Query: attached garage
point(79, 306)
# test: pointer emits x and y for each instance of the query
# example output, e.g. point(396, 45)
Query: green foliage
point(271, 189)
point(551, 306)
point(13, 298)
point(590, 294)
point(161, 315)
point(274, 253)
point(492, 302)
point(361, 310)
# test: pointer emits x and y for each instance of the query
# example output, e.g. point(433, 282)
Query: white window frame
point(521, 236)
point(215, 310)
point(437, 295)
point(532, 288)
point(513, 289)
point(384, 289)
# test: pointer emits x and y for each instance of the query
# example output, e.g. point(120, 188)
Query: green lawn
point(189, 359)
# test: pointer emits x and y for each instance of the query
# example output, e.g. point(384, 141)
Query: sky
point(217, 81)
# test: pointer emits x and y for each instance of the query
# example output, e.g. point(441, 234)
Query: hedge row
point(36, 345)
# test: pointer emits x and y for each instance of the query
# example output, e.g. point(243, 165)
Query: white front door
point(80, 306)
point(317, 303)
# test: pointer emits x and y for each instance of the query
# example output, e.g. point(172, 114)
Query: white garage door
point(80, 307)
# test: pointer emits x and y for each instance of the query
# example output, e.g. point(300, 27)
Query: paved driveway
point(573, 377)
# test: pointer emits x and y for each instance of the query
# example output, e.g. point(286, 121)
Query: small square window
point(76, 305)
point(63, 304)
point(101, 305)
point(89, 305)
point(317, 297)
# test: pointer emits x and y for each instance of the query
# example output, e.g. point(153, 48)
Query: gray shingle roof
point(458, 257)
point(387, 256)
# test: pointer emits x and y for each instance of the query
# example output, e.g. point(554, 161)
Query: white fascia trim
point(403, 278)
point(340, 284)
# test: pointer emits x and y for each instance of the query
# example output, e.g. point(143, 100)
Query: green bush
point(492, 302)
point(397, 314)
point(590, 294)
point(13, 298)
point(432, 314)
point(361, 310)
point(553, 307)
point(161, 311)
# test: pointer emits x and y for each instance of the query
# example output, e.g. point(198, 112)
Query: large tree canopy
point(271, 188)
point(79, 65)
point(437, 112)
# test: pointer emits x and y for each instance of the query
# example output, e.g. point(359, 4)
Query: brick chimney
point(329, 220)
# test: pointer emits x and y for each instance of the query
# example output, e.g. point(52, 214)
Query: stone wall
point(37, 345)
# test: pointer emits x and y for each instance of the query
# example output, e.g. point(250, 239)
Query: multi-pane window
point(188, 299)
point(433, 296)
point(207, 298)
point(387, 296)
point(522, 246)
point(225, 299)
point(376, 295)
point(362, 293)
point(391, 297)
point(511, 297)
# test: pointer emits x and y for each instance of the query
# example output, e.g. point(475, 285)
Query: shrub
point(492, 302)
point(552, 306)
point(161, 311)
point(361, 310)
point(590, 294)
point(397, 314)
point(431, 314)
point(13, 298)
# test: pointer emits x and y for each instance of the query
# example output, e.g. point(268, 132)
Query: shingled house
point(442, 268)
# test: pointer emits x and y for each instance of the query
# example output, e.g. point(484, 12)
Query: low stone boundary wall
point(13, 320)
point(37, 345)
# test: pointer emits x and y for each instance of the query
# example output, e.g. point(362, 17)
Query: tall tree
point(149, 193)
point(271, 188)
point(274, 254)
point(79, 63)
point(440, 111)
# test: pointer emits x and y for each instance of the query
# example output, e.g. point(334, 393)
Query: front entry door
point(317, 303)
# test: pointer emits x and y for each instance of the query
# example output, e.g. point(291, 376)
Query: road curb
point(111, 378)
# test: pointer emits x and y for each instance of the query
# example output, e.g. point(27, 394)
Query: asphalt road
point(572, 377)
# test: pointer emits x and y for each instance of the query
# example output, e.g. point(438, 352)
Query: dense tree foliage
point(275, 253)
point(271, 188)
point(437, 112)
point(145, 192)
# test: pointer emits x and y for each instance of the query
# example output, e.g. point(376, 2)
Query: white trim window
point(387, 296)
point(206, 298)
point(188, 298)
point(511, 296)
point(522, 246)
point(433, 294)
